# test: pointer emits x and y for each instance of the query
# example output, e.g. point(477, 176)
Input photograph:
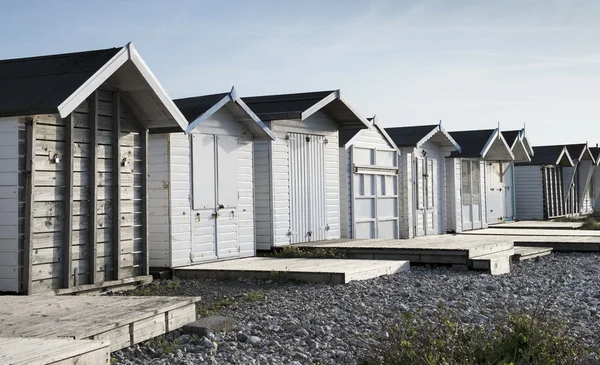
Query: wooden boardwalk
point(123, 321)
point(537, 225)
point(558, 240)
point(56, 351)
point(338, 271)
point(455, 250)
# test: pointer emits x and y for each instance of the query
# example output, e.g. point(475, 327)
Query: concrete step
point(496, 263)
point(528, 253)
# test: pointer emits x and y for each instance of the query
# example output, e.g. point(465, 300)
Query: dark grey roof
point(38, 85)
point(346, 135)
point(544, 155)
point(511, 137)
point(471, 142)
point(269, 107)
point(409, 136)
point(195, 106)
point(576, 150)
point(595, 151)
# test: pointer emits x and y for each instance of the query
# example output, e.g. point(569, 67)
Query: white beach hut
point(297, 175)
point(422, 178)
point(201, 184)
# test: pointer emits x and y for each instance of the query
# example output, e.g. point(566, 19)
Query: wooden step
point(527, 253)
point(496, 263)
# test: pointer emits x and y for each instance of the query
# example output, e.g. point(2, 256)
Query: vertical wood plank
point(116, 196)
point(68, 249)
point(29, 200)
point(93, 239)
point(145, 264)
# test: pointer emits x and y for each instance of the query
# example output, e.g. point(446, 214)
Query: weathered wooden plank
point(45, 163)
point(93, 193)
point(116, 113)
point(29, 201)
point(47, 148)
point(57, 270)
point(57, 133)
point(48, 119)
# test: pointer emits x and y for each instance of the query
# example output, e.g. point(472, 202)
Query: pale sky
point(470, 64)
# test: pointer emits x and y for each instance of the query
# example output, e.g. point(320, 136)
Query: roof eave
point(490, 142)
point(435, 130)
point(363, 123)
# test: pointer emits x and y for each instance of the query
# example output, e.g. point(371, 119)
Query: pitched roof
point(579, 150)
point(546, 155)
point(471, 143)
point(285, 103)
point(410, 136)
point(195, 106)
point(197, 109)
point(511, 136)
point(38, 85)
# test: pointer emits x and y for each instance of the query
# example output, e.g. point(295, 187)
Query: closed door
point(308, 216)
point(471, 194)
point(495, 193)
point(424, 196)
point(507, 179)
point(215, 197)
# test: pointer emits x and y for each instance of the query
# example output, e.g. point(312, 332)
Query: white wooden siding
point(453, 195)
point(405, 190)
point(585, 168)
point(529, 199)
point(9, 185)
point(434, 152)
point(275, 159)
point(180, 211)
point(596, 189)
point(159, 232)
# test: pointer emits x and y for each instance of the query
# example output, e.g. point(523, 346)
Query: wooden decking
point(122, 321)
point(453, 250)
point(303, 269)
point(538, 225)
point(558, 240)
point(57, 351)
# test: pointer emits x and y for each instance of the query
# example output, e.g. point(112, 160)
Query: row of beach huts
point(103, 176)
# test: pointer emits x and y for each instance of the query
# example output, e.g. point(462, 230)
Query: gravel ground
point(319, 323)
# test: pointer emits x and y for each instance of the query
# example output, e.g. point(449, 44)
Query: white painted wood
point(529, 196)
point(203, 171)
point(158, 203)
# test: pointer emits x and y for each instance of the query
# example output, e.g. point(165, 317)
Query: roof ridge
point(287, 94)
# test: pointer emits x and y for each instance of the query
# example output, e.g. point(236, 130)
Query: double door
point(471, 194)
point(214, 197)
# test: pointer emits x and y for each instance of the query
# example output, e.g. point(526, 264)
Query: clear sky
point(470, 64)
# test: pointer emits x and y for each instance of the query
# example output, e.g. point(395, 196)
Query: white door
point(375, 193)
point(215, 197)
point(308, 215)
point(424, 196)
point(471, 194)
point(507, 179)
point(495, 193)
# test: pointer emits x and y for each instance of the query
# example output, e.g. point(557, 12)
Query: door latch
point(220, 206)
point(215, 215)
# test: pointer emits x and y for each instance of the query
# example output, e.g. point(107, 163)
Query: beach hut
point(578, 180)
point(369, 183)
point(422, 172)
point(474, 179)
point(539, 183)
point(297, 178)
point(201, 185)
point(73, 189)
point(522, 151)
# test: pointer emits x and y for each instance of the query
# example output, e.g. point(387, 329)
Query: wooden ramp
point(123, 321)
point(444, 249)
point(537, 225)
point(532, 232)
point(523, 253)
point(338, 271)
point(43, 351)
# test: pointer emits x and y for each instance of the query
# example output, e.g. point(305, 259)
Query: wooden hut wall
point(73, 229)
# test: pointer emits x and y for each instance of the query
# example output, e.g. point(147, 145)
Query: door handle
point(215, 215)
point(220, 206)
